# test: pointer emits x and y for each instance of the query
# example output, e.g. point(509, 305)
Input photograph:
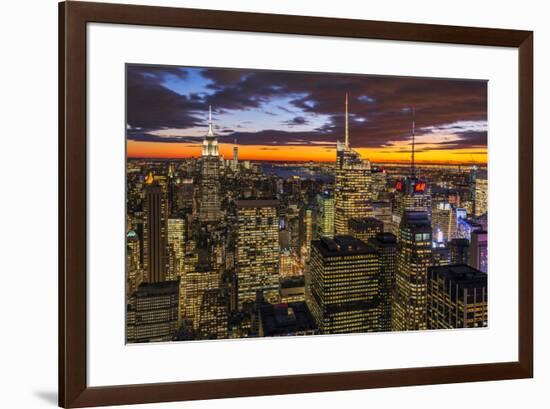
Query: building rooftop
point(384, 240)
point(286, 319)
point(459, 242)
point(341, 246)
point(160, 288)
point(257, 203)
point(459, 277)
point(364, 223)
point(417, 219)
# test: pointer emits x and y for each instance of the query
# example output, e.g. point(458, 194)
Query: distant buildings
point(457, 297)
point(481, 188)
point(257, 258)
point(342, 285)
point(414, 258)
point(152, 312)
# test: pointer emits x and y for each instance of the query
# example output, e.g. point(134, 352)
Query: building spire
point(210, 128)
point(347, 127)
point(413, 170)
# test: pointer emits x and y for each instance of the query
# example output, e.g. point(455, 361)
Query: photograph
point(267, 203)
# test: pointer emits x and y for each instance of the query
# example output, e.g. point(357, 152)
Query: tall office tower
point(414, 258)
point(365, 228)
point(185, 195)
point(154, 233)
point(306, 232)
point(444, 221)
point(386, 246)
point(342, 285)
point(257, 258)
point(209, 197)
point(379, 179)
point(481, 186)
point(457, 297)
point(411, 193)
point(152, 312)
point(352, 196)
point(382, 211)
point(213, 315)
point(459, 251)
point(325, 215)
point(133, 263)
point(188, 267)
point(197, 282)
point(176, 246)
point(235, 162)
point(478, 250)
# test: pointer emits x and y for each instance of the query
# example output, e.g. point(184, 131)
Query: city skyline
point(220, 246)
point(290, 116)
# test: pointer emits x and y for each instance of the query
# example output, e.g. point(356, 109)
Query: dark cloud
point(150, 105)
point(297, 120)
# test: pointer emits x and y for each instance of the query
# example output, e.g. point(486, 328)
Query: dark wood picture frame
point(73, 388)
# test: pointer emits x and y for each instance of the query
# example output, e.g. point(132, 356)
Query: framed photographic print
point(257, 204)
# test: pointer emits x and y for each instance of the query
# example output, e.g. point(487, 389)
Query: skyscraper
point(152, 312)
point(481, 186)
point(235, 163)
point(176, 246)
point(154, 233)
point(457, 297)
point(478, 250)
point(342, 285)
point(209, 199)
point(257, 250)
point(352, 196)
point(414, 258)
point(411, 193)
point(133, 263)
point(386, 246)
point(325, 215)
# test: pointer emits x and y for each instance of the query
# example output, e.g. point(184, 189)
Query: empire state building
point(352, 197)
point(209, 197)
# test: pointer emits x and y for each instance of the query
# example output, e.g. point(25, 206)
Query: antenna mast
point(413, 170)
point(347, 132)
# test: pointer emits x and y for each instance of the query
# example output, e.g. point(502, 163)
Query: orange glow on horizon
point(168, 150)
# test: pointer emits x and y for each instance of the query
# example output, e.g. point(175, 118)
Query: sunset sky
point(276, 115)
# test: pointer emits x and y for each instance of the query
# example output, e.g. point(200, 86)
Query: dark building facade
point(457, 297)
point(152, 312)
